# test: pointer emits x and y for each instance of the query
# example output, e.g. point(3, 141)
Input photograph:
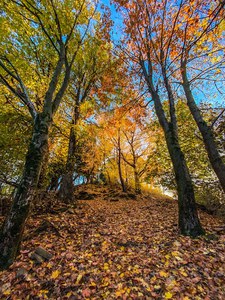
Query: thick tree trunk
point(137, 182)
point(67, 186)
point(42, 178)
point(124, 189)
point(206, 132)
point(189, 223)
point(12, 229)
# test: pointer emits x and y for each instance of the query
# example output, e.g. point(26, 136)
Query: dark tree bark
point(13, 227)
point(137, 182)
point(12, 230)
point(189, 223)
point(83, 81)
point(206, 131)
point(67, 186)
point(119, 157)
point(54, 184)
point(42, 178)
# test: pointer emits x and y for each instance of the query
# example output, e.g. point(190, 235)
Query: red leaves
point(86, 293)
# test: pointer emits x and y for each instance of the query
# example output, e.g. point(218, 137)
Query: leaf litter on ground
point(125, 249)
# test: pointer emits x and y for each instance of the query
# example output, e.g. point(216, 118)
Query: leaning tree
point(39, 45)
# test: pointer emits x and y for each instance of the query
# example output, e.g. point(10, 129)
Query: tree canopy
point(125, 98)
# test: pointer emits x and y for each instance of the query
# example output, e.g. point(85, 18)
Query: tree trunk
point(54, 184)
point(12, 229)
point(206, 132)
point(42, 178)
point(119, 165)
point(189, 223)
point(67, 187)
point(120, 173)
point(137, 182)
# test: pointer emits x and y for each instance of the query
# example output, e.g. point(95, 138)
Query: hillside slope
point(115, 246)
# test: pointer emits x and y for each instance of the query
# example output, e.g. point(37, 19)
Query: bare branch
point(23, 94)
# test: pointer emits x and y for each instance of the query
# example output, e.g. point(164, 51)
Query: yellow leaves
point(79, 277)
point(55, 274)
point(153, 279)
point(106, 267)
point(182, 272)
point(200, 288)
point(73, 268)
point(92, 283)
point(105, 245)
point(119, 293)
point(221, 28)
point(175, 253)
point(49, 265)
point(163, 274)
point(168, 295)
point(120, 290)
point(69, 294)
point(167, 263)
point(7, 292)
point(43, 294)
point(123, 290)
point(105, 282)
point(216, 59)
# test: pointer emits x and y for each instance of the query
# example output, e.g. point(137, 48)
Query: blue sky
point(204, 92)
point(118, 22)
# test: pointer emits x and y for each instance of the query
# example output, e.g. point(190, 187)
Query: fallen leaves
point(168, 295)
point(119, 250)
point(55, 274)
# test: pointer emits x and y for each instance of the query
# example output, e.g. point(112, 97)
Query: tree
point(148, 44)
point(15, 130)
point(48, 29)
point(92, 61)
point(139, 146)
point(190, 51)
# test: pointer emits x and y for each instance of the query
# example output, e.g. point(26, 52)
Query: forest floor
point(117, 247)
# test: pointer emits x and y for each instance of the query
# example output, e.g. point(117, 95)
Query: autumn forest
point(112, 149)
